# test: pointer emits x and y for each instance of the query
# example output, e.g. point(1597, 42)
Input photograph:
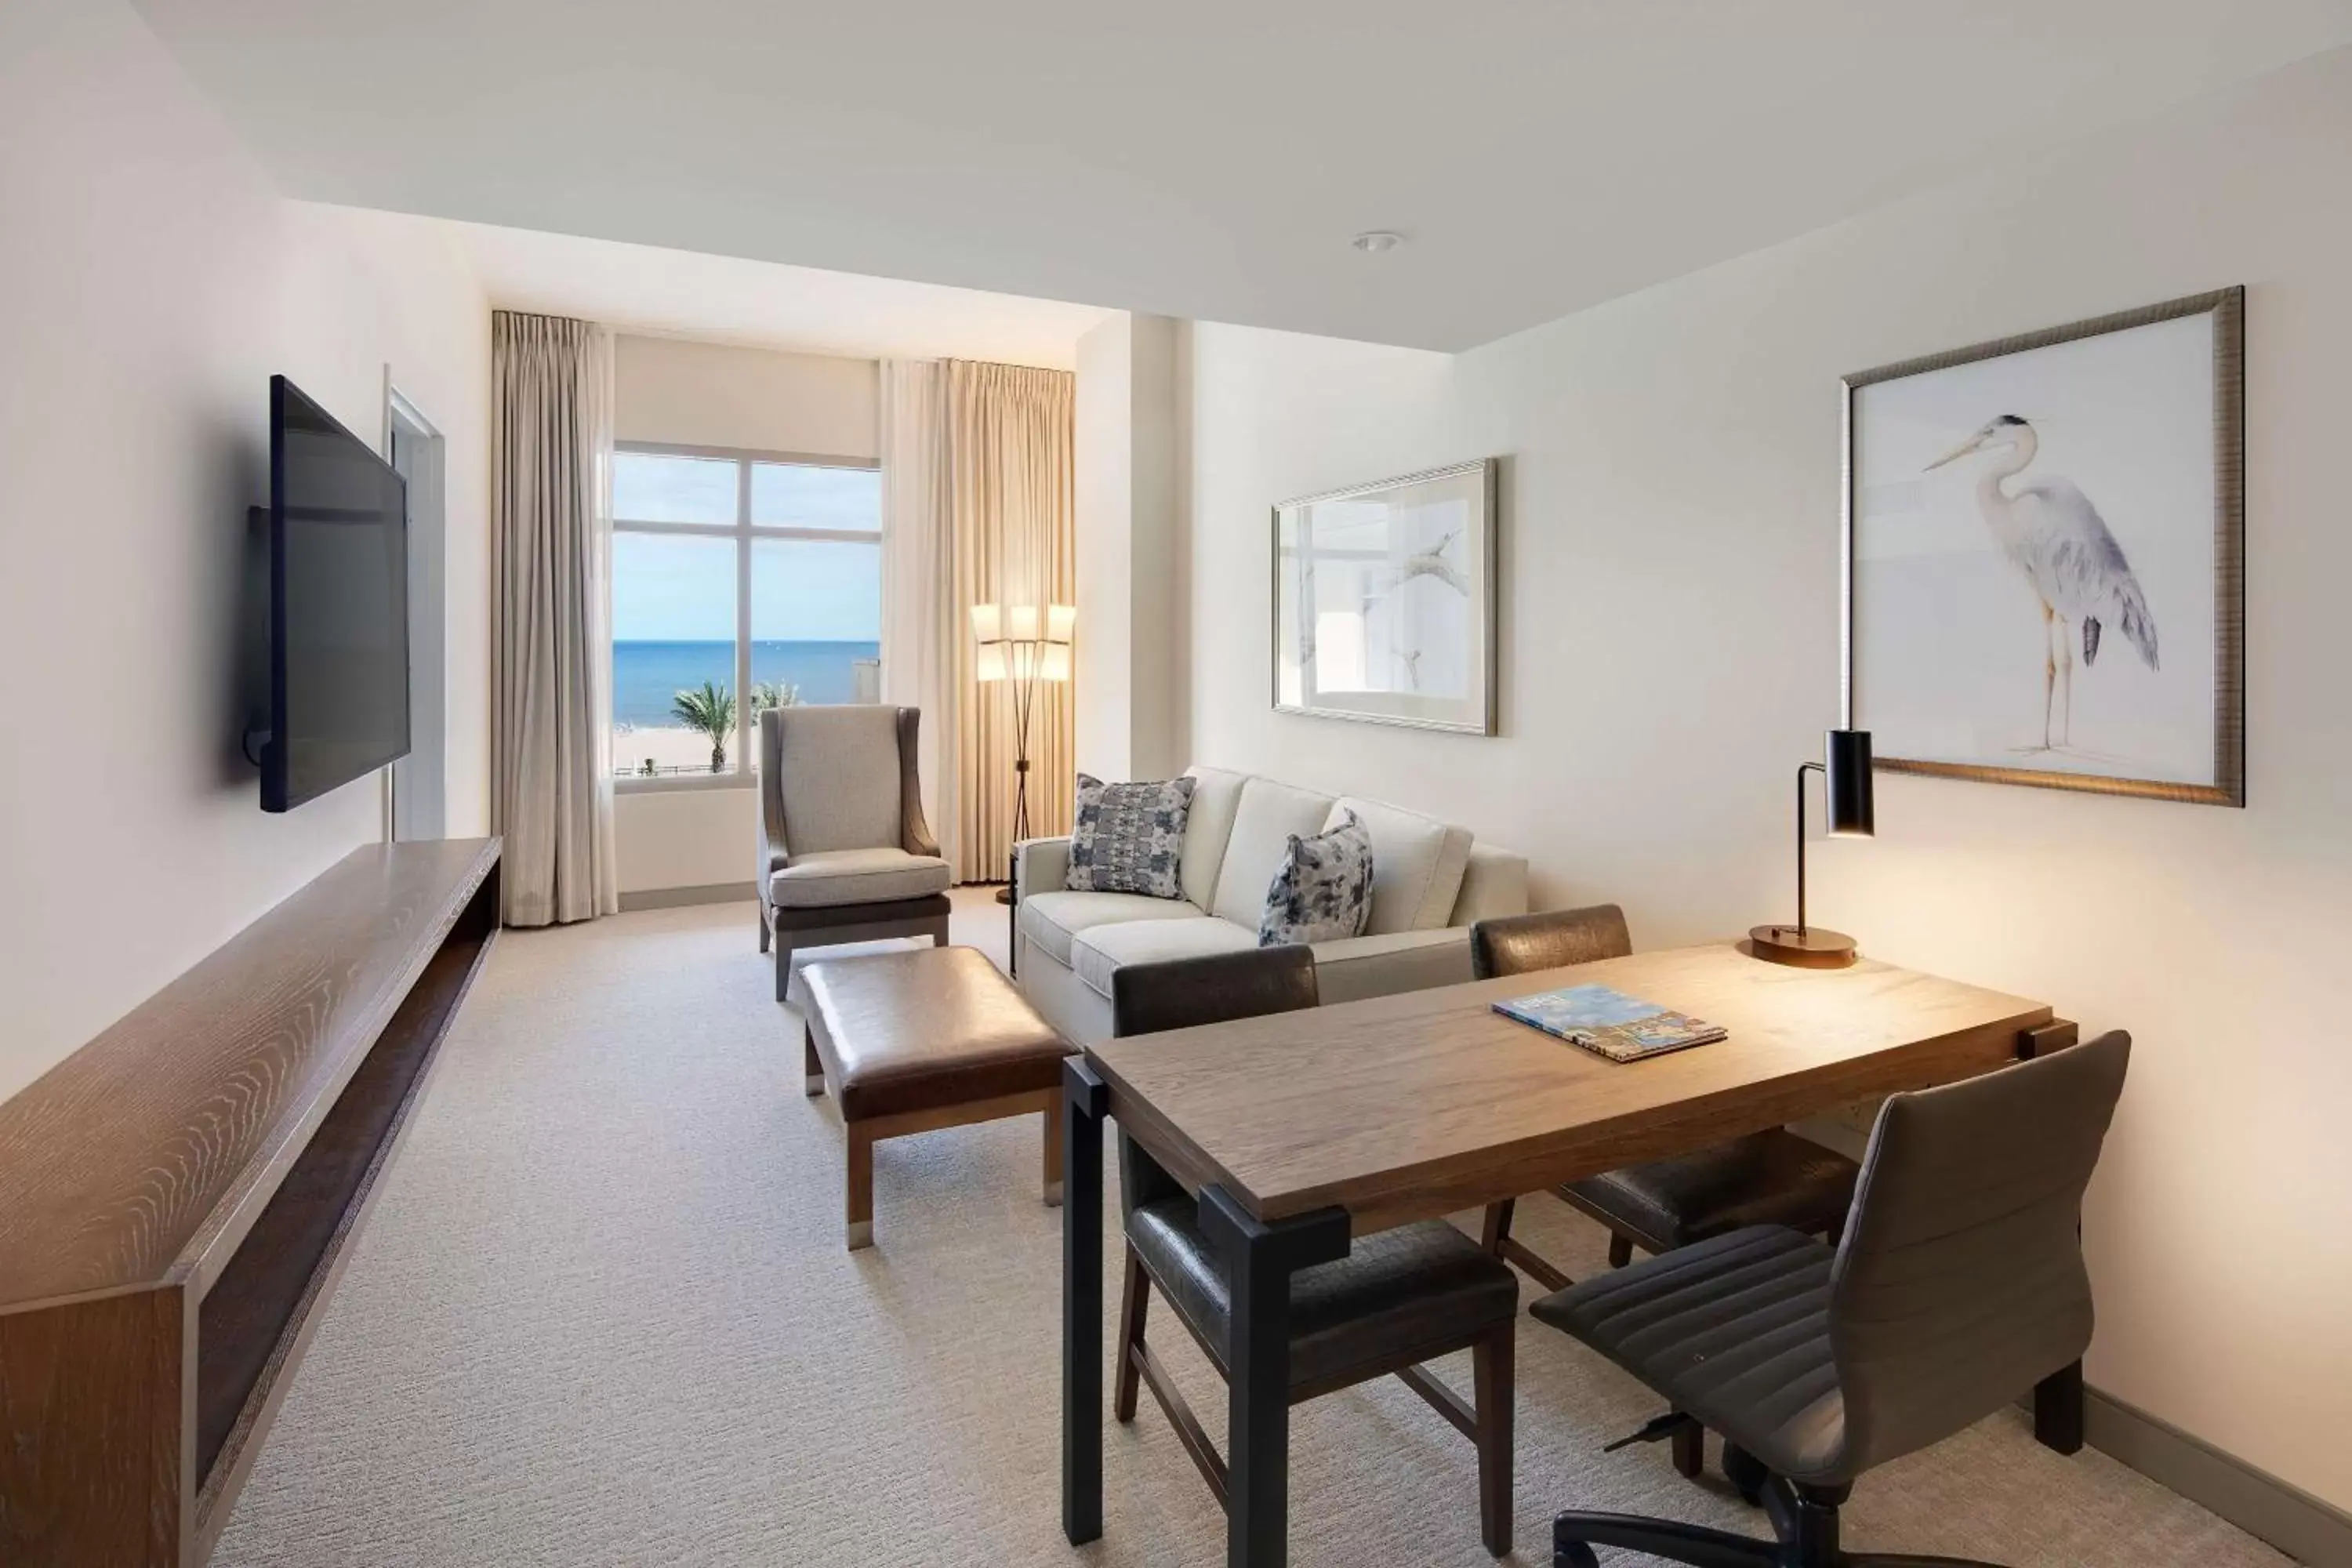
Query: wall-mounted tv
point(338, 605)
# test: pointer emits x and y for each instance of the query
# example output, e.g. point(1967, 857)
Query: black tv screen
point(338, 605)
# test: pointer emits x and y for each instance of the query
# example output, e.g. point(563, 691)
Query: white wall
point(691, 394)
point(1129, 643)
point(1671, 652)
point(150, 283)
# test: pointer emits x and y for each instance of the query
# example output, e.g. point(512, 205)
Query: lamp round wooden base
point(1811, 947)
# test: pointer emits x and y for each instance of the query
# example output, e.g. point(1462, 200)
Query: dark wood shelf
point(179, 1197)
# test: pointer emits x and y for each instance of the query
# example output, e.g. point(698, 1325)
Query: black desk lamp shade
point(1853, 813)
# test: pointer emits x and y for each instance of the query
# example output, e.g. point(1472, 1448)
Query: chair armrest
point(1495, 882)
point(1358, 966)
point(914, 832)
point(1039, 866)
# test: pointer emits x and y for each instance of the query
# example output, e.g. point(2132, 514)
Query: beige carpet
point(603, 1316)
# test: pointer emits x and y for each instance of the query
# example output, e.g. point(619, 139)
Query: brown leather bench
point(910, 1042)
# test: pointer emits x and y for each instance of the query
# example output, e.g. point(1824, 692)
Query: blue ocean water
point(648, 675)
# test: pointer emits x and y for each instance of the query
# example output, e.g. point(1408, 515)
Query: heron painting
point(2045, 556)
point(2049, 531)
point(1384, 601)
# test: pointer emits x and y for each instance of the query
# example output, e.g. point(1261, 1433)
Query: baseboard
point(676, 898)
point(2307, 1529)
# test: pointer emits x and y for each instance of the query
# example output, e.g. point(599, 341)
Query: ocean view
point(648, 675)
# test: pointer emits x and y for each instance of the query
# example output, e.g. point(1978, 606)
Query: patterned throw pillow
point(1128, 838)
point(1324, 890)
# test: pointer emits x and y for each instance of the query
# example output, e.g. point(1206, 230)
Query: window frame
point(744, 532)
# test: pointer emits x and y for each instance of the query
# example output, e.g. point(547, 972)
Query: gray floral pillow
point(1129, 837)
point(1324, 890)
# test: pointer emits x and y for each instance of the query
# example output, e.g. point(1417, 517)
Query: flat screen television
point(338, 663)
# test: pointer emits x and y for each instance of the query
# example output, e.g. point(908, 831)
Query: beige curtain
point(920, 620)
point(1013, 521)
point(552, 704)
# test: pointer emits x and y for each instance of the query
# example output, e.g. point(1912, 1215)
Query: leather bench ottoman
point(910, 1042)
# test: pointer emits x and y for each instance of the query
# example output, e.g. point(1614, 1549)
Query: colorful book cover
point(1608, 1023)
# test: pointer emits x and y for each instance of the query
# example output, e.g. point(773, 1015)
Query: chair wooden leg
point(762, 913)
point(1491, 1375)
point(1134, 1304)
point(859, 1198)
point(1621, 1251)
point(783, 965)
point(1052, 1156)
point(810, 1063)
point(1497, 1228)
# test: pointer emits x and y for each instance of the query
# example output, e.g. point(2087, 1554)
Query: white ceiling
point(1207, 158)
point(730, 300)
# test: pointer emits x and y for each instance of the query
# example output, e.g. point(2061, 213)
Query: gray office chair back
point(1183, 993)
point(1959, 1283)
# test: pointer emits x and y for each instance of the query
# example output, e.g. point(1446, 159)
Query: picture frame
point(1385, 601)
point(2091, 477)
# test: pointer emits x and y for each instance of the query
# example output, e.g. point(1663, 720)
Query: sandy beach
point(669, 747)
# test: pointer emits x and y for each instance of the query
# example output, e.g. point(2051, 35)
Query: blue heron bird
point(2053, 533)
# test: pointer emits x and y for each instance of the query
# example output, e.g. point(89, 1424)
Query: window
point(736, 573)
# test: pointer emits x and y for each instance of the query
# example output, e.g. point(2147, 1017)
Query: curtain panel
point(920, 620)
point(551, 705)
point(1012, 518)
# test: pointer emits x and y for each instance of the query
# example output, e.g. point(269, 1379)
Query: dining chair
point(1960, 1285)
point(1401, 1297)
point(1765, 1178)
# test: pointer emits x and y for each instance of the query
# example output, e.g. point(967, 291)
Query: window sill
point(668, 783)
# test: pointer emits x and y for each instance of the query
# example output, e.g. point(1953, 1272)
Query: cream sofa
point(1429, 882)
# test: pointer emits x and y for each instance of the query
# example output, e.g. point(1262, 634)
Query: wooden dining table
point(1300, 1130)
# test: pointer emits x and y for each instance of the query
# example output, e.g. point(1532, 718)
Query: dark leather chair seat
point(1767, 1178)
point(1734, 1331)
point(1396, 1292)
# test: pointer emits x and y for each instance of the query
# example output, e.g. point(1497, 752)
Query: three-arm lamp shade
point(1853, 813)
point(1021, 645)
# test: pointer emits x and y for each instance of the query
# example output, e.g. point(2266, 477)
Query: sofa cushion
point(1264, 820)
point(837, 774)
point(1324, 890)
point(1417, 865)
point(1102, 949)
point(832, 877)
point(1207, 827)
point(1128, 837)
point(1051, 920)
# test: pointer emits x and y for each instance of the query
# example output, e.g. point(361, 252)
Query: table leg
point(1084, 1099)
point(1259, 1260)
point(2058, 1410)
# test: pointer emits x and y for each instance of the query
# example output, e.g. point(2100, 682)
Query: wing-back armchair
point(845, 854)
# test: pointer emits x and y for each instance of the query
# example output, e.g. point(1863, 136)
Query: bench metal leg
point(1053, 1120)
point(859, 1195)
point(1259, 1259)
point(1086, 1102)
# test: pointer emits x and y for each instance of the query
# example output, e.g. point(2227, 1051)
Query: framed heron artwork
point(2045, 556)
point(1384, 601)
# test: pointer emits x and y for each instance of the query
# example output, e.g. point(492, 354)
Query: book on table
point(1608, 1023)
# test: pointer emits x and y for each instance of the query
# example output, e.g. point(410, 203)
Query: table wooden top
point(1427, 1102)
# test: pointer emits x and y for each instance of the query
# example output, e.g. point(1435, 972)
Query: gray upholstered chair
point(1399, 1298)
point(845, 854)
point(1958, 1286)
point(1767, 1178)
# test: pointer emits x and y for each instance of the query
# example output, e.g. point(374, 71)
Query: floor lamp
point(1022, 646)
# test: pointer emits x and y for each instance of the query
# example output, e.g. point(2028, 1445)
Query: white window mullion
point(744, 727)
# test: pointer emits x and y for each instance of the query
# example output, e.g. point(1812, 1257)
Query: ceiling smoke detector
point(1371, 242)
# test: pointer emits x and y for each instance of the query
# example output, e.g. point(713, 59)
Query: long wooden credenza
point(178, 1197)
